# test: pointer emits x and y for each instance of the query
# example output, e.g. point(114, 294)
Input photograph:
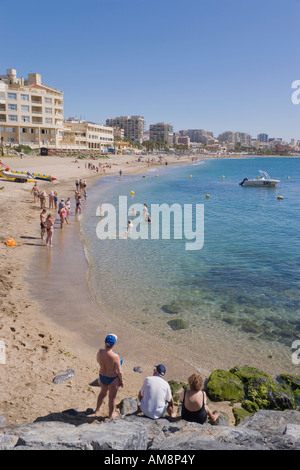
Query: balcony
point(37, 120)
point(36, 110)
point(2, 117)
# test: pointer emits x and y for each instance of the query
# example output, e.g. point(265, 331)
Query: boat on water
point(263, 180)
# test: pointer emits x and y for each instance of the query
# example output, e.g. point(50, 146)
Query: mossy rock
point(250, 406)
point(176, 388)
point(240, 414)
point(171, 308)
point(177, 324)
point(224, 386)
point(292, 381)
point(268, 395)
point(246, 373)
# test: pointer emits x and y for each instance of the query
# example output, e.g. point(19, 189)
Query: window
point(25, 118)
point(45, 131)
point(10, 140)
point(25, 97)
point(12, 117)
point(48, 110)
point(48, 120)
point(12, 107)
point(25, 108)
point(23, 130)
point(48, 100)
point(12, 96)
point(31, 131)
point(10, 129)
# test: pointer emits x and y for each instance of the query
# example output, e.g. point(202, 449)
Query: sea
point(241, 280)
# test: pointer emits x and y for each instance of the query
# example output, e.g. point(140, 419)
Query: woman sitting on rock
point(194, 407)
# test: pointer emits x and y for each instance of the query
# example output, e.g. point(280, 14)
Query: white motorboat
point(263, 180)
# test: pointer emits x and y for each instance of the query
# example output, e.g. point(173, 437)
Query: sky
point(217, 65)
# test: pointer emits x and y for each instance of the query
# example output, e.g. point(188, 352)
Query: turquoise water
point(245, 279)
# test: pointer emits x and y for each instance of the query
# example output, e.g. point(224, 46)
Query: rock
point(177, 324)
point(246, 373)
point(62, 376)
point(223, 386)
point(137, 369)
point(128, 406)
point(240, 414)
point(268, 395)
point(170, 308)
point(264, 430)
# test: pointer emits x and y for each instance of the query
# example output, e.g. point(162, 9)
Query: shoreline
point(31, 332)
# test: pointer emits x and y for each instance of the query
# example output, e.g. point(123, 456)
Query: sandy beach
point(36, 346)
point(43, 328)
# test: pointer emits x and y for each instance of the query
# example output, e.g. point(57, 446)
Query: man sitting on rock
point(155, 395)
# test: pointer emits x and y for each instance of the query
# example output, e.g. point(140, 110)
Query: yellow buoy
point(132, 193)
point(191, 176)
point(207, 196)
point(279, 197)
point(223, 176)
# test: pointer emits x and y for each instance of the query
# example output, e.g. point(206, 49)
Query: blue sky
point(216, 65)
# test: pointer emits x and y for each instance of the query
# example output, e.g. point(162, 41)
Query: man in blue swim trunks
point(110, 375)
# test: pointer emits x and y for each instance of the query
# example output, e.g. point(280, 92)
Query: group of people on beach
point(63, 209)
point(155, 396)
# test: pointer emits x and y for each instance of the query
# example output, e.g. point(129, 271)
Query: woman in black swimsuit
point(194, 406)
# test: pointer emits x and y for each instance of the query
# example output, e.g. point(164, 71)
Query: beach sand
point(48, 313)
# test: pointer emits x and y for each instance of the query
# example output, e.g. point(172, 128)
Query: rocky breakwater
point(266, 411)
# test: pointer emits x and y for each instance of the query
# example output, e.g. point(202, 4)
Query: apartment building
point(32, 113)
point(235, 137)
point(133, 126)
point(161, 132)
point(84, 135)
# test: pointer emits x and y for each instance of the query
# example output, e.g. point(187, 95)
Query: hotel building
point(31, 113)
point(133, 126)
point(161, 132)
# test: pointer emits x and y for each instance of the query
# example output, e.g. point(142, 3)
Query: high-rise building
point(263, 137)
point(161, 132)
point(133, 126)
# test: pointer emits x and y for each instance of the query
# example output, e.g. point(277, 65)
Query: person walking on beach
point(78, 205)
point(110, 375)
point(51, 200)
point(62, 215)
point(36, 192)
point(155, 395)
point(68, 209)
point(55, 199)
point(43, 223)
point(43, 197)
point(50, 229)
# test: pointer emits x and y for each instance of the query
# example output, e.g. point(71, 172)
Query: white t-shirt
point(155, 393)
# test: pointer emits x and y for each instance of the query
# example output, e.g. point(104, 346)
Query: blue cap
point(110, 340)
point(160, 369)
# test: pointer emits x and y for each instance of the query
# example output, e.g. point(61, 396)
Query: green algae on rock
point(223, 386)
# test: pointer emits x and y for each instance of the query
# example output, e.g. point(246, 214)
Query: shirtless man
point(110, 375)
